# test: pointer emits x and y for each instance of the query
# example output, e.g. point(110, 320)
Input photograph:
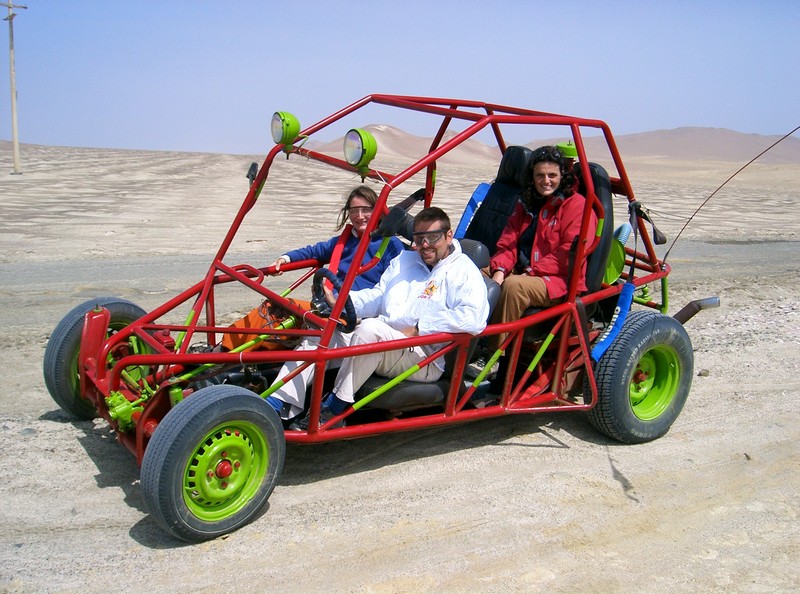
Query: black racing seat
point(513, 177)
point(597, 260)
point(409, 395)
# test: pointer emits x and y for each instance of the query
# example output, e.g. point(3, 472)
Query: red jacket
point(558, 225)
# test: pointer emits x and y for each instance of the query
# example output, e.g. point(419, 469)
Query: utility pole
point(14, 133)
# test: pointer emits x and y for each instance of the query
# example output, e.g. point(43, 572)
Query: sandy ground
point(516, 504)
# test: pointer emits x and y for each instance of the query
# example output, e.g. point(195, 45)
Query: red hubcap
point(224, 469)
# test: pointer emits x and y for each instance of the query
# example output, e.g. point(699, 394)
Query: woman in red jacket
point(533, 253)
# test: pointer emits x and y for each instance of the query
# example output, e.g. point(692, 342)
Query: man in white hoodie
point(434, 288)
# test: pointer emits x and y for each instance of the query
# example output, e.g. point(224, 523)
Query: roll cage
point(135, 375)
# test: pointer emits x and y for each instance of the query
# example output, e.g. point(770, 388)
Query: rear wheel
point(61, 375)
point(643, 379)
point(212, 463)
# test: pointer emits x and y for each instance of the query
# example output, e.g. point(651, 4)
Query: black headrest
point(596, 266)
point(476, 251)
point(514, 166)
point(407, 228)
point(397, 222)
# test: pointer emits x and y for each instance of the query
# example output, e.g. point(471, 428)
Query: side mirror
point(252, 172)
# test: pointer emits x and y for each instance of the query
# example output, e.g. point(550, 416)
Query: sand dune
point(678, 144)
point(709, 144)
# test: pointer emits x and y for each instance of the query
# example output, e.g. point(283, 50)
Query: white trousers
point(354, 371)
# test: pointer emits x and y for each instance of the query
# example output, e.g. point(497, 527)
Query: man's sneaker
point(325, 415)
point(475, 368)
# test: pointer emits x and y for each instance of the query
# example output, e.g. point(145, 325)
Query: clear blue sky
point(207, 76)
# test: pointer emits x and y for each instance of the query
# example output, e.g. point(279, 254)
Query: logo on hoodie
point(429, 291)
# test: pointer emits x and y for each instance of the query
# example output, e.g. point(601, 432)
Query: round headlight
point(359, 148)
point(285, 127)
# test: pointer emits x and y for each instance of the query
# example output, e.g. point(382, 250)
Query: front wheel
point(61, 373)
point(643, 379)
point(212, 463)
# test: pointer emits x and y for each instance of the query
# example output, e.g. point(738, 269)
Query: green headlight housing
point(285, 127)
point(568, 149)
point(360, 148)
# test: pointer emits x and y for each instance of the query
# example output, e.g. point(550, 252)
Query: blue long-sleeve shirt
point(323, 251)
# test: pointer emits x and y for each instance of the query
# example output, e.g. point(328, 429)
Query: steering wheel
point(321, 306)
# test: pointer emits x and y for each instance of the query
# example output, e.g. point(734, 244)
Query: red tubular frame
point(546, 388)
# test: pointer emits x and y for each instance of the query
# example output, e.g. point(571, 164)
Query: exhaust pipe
point(693, 308)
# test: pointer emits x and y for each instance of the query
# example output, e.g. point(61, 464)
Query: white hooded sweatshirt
point(449, 298)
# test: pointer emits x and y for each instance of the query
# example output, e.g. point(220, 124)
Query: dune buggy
point(186, 393)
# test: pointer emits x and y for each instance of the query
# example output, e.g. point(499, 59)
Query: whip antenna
point(686, 224)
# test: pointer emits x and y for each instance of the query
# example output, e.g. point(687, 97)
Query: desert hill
point(679, 144)
point(394, 143)
point(712, 144)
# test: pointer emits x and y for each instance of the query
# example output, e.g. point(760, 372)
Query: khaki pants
point(354, 371)
point(518, 293)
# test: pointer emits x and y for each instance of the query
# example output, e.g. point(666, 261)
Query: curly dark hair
point(549, 154)
point(364, 192)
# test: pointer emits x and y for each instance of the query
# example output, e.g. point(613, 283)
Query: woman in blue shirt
point(357, 210)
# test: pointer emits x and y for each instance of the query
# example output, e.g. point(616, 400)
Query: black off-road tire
point(212, 463)
point(61, 354)
point(643, 379)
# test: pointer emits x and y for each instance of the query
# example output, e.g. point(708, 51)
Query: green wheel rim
point(225, 471)
point(655, 382)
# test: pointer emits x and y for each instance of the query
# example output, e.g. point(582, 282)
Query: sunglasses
point(429, 237)
point(360, 210)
